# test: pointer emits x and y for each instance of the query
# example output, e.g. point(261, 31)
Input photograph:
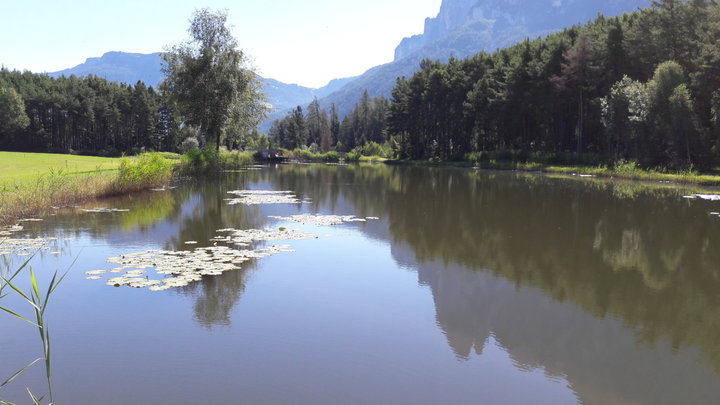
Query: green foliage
point(605, 89)
point(198, 161)
point(208, 78)
point(352, 157)
point(364, 125)
point(38, 300)
point(306, 155)
point(87, 115)
point(374, 149)
point(12, 111)
point(144, 171)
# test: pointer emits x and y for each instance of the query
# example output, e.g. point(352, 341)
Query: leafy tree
point(208, 76)
point(12, 111)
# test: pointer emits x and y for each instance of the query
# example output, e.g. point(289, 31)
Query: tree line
point(643, 86)
point(87, 114)
point(321, 130)
point(209, 96)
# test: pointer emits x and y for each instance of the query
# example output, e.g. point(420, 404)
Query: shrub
point(143, 171)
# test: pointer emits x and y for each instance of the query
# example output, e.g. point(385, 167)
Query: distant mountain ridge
point(121, 67)
point(124, 67)
point(461, 29)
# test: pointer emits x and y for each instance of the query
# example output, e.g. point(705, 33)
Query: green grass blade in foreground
point(19, 372)
point(19, 316)
point(2, 285)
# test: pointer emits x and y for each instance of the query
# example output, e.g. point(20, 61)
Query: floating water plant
point(9, 230)
point(256, 197)
point(709, 197)
point(244, 237)
point(24, 246)
point(105, 210)
point(180, 267)
point(322, 220)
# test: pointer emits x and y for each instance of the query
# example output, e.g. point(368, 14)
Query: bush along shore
point(57, 188)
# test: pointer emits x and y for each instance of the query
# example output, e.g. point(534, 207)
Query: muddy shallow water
point(414, 286)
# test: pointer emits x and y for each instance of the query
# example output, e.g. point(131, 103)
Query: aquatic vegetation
point(244, 237)
point(256, 197)
point(24, 246)
point(104, 210)
point(322, 220)
point(709, 197)
point(180, 267)
point(9, 230)
point(39, 304)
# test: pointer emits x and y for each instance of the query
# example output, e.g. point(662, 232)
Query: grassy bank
point(33, 183)
point(24, 168)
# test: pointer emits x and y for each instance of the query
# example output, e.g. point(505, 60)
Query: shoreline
point(52, 189)
point(631, 173)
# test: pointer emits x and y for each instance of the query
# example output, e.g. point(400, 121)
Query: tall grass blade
point(36, 401)
point(19, 316)
point(9, 380)
point(22, 294)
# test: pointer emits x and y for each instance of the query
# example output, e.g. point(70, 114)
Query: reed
point(58, 187)
point(39, 303)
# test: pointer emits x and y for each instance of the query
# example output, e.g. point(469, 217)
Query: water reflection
point(569, 276)
point(610, 287)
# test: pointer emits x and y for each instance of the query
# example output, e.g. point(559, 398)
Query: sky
point(306, 42)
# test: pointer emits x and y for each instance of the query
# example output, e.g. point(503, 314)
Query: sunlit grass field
point(19, 168)
point(32, 183)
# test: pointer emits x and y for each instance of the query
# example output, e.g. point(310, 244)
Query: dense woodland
point(87, 114)
point(322, 130)
point(643, 86)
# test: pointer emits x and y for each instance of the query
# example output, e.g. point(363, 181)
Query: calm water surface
point(472, 287)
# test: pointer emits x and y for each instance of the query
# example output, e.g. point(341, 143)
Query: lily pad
point(322, 220)
point(256, 197)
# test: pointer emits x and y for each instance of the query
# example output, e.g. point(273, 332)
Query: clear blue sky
point(306, 42)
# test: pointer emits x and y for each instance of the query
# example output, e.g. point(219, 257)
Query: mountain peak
point(518, 17)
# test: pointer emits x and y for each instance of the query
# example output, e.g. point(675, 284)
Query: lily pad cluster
point(709, 197)
point(9, 230)
point(321, 220)
point(256, 197)
point(105, 210)
point(180, 268)
point(24, 246)
point(245, 237)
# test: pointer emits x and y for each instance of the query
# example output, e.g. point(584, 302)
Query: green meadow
point(19, 168)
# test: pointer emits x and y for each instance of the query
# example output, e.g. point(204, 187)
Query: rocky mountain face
point(121, 67)
point(463, 28)
point(506, 20)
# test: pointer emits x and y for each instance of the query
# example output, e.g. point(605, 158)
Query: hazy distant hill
point(121, 67)
point(126, 67)
point(463, 28)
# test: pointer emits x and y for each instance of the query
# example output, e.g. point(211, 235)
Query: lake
point(445, 286)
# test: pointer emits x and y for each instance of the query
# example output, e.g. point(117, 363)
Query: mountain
point(120, 67)
point(123, 67)
point(463, 28)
